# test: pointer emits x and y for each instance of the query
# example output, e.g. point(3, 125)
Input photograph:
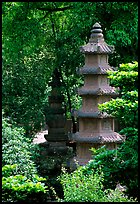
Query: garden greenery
point(38, 37)
point(124, 166)
point(118, 165)
point(17, 148)
point(19, 187)
point(20, 181)
point(84, 186)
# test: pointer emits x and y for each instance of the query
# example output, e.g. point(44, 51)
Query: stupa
point(95, 128)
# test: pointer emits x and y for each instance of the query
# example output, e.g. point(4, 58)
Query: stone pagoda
point(95, 128)
point(55, 117)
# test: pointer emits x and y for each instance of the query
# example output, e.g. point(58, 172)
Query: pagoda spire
point(96, 42)
point(96, 34)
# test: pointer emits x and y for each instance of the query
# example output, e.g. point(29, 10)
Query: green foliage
point(25, 70)
point(8, 170)
point(20, 181)
point(38, 37)
point(85, 186)
point(127, 79)
point(17, 149)
point(120, 108)
point(20, 188)
point(122, 164)
point(119, 164)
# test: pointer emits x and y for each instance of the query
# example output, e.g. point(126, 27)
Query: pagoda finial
point(97, 44)
point(96, 33)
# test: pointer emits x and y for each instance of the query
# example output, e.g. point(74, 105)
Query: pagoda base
point(84, 154)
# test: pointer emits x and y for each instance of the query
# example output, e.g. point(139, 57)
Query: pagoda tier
point(95, 127)
point(55, 114)
point(57, 119)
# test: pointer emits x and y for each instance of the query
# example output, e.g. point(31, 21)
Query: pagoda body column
point(55, 117)
point(95, 128)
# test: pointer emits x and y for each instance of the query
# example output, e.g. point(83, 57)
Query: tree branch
point(69, 101)
point(50, 10)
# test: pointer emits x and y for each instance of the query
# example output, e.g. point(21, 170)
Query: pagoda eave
point(55, 111)
point(100, 91)
point(57, 98)
point(97, 48)
point(83, 114)
point(94, 70)
point(51, 137)
point(101, 138)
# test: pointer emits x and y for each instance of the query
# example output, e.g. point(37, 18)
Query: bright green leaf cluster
point(122, 164)
point(126, 77)
point(17, 149)
point(19, 187)
point(124, 107)
point(84, 185)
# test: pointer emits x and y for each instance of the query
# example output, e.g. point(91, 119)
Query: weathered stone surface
point(99, 91)
point(56, 121)
point(95, 128)
point(96, 44)
point(90, 114)
point(94, 70)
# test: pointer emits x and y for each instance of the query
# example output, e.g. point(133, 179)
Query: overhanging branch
point(50, 10)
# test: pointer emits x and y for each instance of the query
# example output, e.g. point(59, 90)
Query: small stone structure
point(95, 128)
point(55, 117)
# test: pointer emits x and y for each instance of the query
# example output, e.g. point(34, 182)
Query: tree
point(38, 37)
point(25, 66)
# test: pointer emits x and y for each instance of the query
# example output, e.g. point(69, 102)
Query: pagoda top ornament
point(96, 42)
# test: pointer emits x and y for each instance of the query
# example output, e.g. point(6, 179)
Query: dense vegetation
point(124, 167)
point(38, 37)
point(83, 185)
point(20, 180)
point(118, 166)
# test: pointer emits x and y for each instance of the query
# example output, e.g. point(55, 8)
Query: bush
point(19, 173)
point(20, 188)
point(124, 107)
point(87, 186)
point(122, 164)
point(118, 165)
point(16, 149)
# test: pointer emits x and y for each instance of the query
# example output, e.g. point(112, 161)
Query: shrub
point(124, 107)
point(122, 164)
point(79, 186)
point(19, 173)
point(16, 149)
point(118, 165)
point(20, 188)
